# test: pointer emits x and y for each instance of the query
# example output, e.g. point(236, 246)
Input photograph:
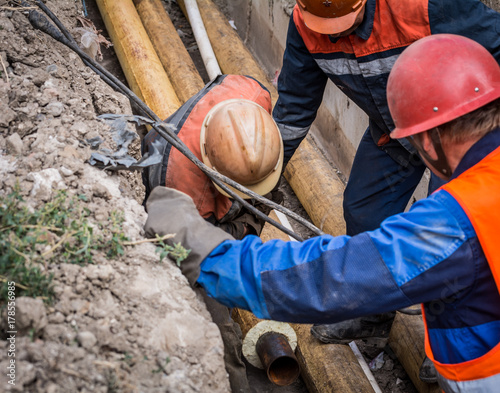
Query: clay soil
point(124, 324)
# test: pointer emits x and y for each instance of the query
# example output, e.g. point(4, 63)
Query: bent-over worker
point(229, 127)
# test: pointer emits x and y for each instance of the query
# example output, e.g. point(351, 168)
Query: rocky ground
point(128, 323)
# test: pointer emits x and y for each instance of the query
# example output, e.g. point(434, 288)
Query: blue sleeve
point(328, 279)
point(301, 85)
point(469, 18)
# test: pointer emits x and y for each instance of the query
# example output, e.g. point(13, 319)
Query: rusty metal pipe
point(278, 358)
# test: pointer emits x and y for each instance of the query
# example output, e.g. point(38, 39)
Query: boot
point(427, 373)
point(374, 326)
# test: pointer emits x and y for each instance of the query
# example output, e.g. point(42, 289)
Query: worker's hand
point(173, 212)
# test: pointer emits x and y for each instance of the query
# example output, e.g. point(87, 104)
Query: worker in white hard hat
point(229, 127)
point(354, 44)
point(444, 95)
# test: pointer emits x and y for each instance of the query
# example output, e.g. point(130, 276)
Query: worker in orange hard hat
point(229, 127)
point(354, 44)
point(444, 95)
point(332, 17)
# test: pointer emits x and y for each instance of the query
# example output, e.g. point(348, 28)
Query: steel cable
point(62, 35)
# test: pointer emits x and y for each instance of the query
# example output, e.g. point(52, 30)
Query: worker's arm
point(469, 18)
point(301, 85)
point(328, 279)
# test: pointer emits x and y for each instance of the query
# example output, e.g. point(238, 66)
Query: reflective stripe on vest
point(483, 385)
point(185, 176)
point(477, 190)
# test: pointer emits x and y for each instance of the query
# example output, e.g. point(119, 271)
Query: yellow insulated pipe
point(139, 61)
point(173, 55)
point(232, 54)
point(407, 341)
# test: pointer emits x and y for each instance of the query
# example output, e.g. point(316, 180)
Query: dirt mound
point(119, 321)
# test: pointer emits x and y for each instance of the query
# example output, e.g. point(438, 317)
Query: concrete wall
point(262, 24)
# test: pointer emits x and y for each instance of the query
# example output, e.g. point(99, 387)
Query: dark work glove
point(173, 212)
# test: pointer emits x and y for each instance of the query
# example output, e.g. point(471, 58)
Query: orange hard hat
point(330, 16)
point(240, 140)
point(438, 79)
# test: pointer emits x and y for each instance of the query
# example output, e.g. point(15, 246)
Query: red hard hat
point(438, 79)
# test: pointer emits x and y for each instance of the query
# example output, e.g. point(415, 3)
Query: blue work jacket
point(430, 254)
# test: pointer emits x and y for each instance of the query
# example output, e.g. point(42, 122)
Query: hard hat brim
point(329, 25)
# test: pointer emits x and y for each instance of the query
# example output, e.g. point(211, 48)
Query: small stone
point(51, 69)
point(30, 315)
point(101, 191)
point(44, 182)
point(39, 76)
point(66, 172)
point(86, 339)
point(6, 115)
point(388, 365)
point(14, 144)
point(56, 317)
point(105, 273)
point(55, 108)
point(79, 128)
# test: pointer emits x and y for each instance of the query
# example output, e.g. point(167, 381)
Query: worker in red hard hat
point(228, 125)
point(444, 95)
point(354, 44)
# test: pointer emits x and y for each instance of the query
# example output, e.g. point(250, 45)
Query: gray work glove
point(172, 211)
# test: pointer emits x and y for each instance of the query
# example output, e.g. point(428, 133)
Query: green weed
point(177, 251)
point(57, 232)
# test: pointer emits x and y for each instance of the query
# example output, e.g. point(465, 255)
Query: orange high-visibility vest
point(477, 190)
point(176, 170)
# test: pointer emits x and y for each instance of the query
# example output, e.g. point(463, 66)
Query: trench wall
point(262, 24)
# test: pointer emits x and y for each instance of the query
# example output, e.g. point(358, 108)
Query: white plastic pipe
point(200, 34)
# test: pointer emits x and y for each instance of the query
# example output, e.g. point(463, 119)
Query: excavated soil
point(126, 324)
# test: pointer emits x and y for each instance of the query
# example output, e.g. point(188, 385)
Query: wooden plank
point(407, 342)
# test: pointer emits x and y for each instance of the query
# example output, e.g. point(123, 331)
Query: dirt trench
point(126, 323)
point(123, 324)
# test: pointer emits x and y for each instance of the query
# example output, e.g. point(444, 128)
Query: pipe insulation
point(269, 345)
point(200, 34)
point(169, 47)
point(138, 59)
